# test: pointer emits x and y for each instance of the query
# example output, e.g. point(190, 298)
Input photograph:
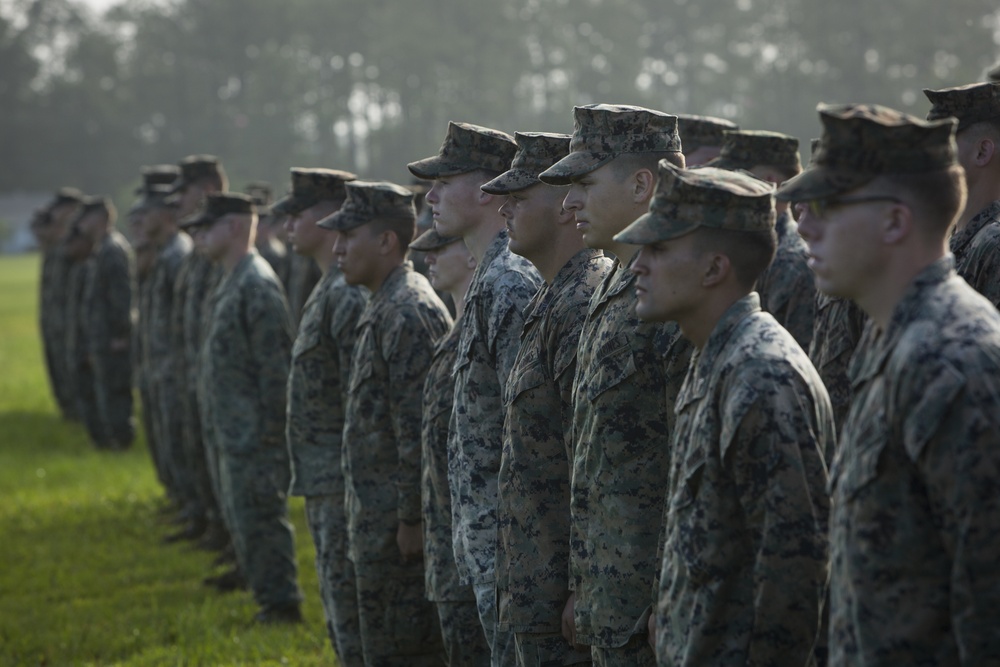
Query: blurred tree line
point(369, 85)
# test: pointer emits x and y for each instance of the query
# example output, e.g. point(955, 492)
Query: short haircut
point(626, 164)
point(404, 229)
point(937, 197)
point(989, 129)
point(749, 253)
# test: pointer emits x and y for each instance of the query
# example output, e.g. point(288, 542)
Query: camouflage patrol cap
point(863, 141)
point(218, 205)
point(970, 104)
point(687, 199)
point(312, 186)
point(536, 152)
point(602, 132)
point(195, 168)
point(95, 204)
point(65, 196)
point(371, 200)
point(698, 131)
point(467, 148)
point(432, 240)
point(260, 192)
point(746, 149)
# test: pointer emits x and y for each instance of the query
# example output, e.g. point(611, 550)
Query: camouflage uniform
point(396, 334)
point(317, 387)
point(744, 562)
point(81, 377)
point(164, 367)
point(52, 322)
point(977, 252)
point(534, 479)
point(702, 136)
point(913, 537)
point(303, 274)
point(836, 333)
point(977, 246)
point(627, 374)
point(787, 289)
point(464, 641)
point(242, 368)
point(501, 287)
point(107, 304)
point(915, 508)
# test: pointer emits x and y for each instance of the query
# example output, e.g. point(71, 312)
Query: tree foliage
point(368, 85)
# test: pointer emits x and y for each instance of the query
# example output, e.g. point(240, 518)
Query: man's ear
point(643, 184)
point(897, 225)
point(717, 268)
point(985, 151)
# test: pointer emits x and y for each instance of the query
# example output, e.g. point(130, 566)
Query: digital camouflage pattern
point(532, 569)
point(698, 131)
point(461, 631)
point(628, 372)
point(337, 582)
point(837, 331)
point(862, 141)
point(744, 572)
point(501, 287)
point(536, 152)
point(52, 310)
point(915, 509)
point(370, 200)
point(312, 186)
point(746, 149)
point(317, 391)
point(602, 132)
point(466, 148)
point(396, 335)
point(164, 367)
point(973, 103)
point(787, 287)
point(398, 626)
point(977, 252)
point(317, 385)
point(440, 571)
point(107, 310)
point(686, 199)
point(243, 367)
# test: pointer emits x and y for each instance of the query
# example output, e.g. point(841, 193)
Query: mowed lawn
point(84, 576)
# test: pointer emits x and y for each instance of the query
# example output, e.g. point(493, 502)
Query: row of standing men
point(592, 462)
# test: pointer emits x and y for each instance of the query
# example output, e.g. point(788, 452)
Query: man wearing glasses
point(912, 531)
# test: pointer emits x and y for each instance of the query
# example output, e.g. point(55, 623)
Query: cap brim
point(196, 221)
point(290, 204)
point(571, 167)
point(513, 180)
point(725, 163)
point(341, 221)
point(643, 231)
point(437, 167)
point(818, 182)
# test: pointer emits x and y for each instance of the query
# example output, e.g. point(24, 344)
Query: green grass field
point(84, 578)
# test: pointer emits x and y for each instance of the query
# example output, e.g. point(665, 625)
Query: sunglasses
point(818, 208)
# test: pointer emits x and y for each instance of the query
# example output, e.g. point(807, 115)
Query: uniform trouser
point(255, 509)
point(636, 652)
point(547, 649)
point(337, 589)
point(86, 397)
point(59, 375)
point(201, 492)
point(112, 372)
point(399, 627)
point(149, 421)
point(464, 641)
point(501, 641)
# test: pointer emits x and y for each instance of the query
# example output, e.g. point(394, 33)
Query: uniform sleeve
point(270, 345)
point(772, 446)
point(960, 465)
point(511, 295)
point(117, 275)
point(408, 345)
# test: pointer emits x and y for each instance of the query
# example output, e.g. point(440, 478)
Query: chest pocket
point(856, 467)
point(614, 364)
point(307, 340)
point(688, 538)
point(526, 379)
